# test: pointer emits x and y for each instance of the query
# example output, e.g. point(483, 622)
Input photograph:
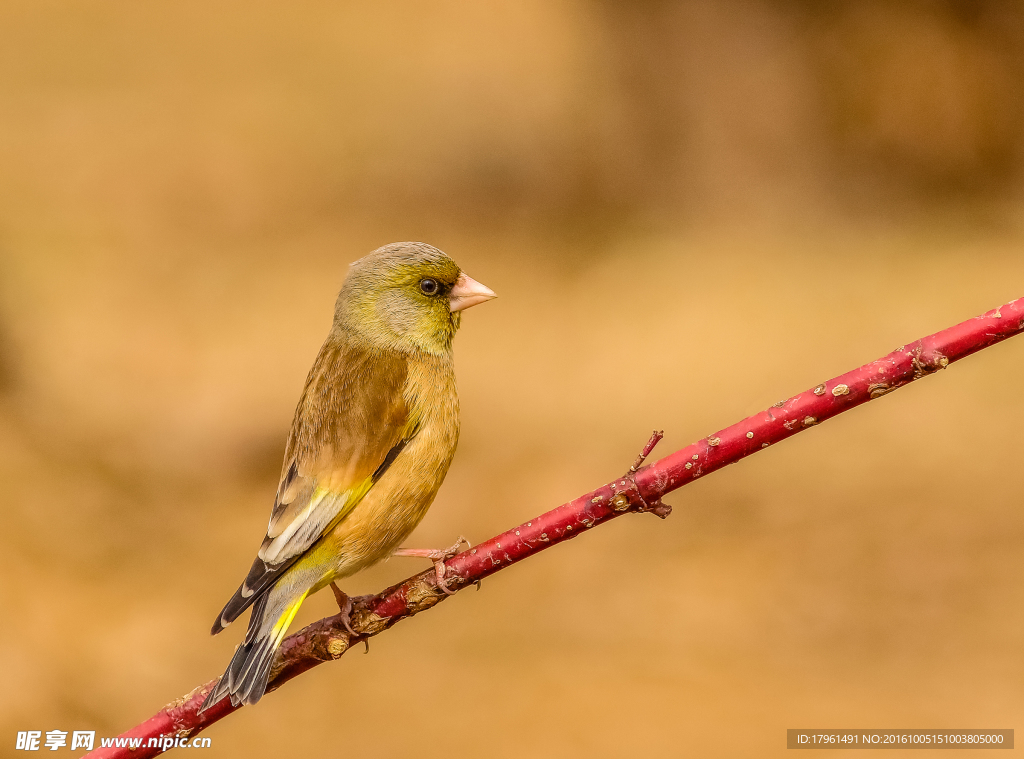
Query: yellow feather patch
point(282, 623)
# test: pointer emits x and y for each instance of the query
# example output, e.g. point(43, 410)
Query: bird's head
point(407, 296)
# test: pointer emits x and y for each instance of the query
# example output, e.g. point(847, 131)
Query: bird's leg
point(438, 556)
point(345, 606)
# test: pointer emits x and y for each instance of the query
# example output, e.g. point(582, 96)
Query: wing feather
point(351, 422)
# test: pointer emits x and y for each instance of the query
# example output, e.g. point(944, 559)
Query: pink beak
point(468, 292)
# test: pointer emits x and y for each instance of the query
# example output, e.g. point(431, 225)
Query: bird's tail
point(245, 679)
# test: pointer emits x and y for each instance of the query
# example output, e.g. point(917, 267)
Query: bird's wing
point(351, 423)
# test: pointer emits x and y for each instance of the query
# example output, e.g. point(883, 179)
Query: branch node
point(629, 494)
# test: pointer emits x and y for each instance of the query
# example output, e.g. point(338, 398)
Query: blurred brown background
point(749, 197)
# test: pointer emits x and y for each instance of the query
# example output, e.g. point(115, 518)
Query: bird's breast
point(400, 498)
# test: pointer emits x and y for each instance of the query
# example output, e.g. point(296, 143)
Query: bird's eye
point(429, 286)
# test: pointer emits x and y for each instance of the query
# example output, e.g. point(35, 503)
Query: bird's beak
point(468, 292)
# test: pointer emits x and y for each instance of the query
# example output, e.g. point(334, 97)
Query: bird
point(373, 435)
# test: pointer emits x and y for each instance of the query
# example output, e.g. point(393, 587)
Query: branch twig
point(655, 437)
point(639, 490)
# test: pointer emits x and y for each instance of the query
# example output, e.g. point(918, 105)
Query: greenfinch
point(373, 435)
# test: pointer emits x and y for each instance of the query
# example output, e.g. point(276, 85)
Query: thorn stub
point(661, 510)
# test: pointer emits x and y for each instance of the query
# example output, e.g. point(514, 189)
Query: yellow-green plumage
point(373, 436)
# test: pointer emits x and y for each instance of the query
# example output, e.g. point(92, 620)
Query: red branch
point(639, 490)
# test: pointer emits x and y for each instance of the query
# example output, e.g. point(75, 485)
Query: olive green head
point(406, 296)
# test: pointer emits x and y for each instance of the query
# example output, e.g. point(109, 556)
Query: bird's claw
point(439, 557)
point(344, 607)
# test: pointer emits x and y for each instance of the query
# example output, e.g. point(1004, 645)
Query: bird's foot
point(344, 606)
point(438, 556)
